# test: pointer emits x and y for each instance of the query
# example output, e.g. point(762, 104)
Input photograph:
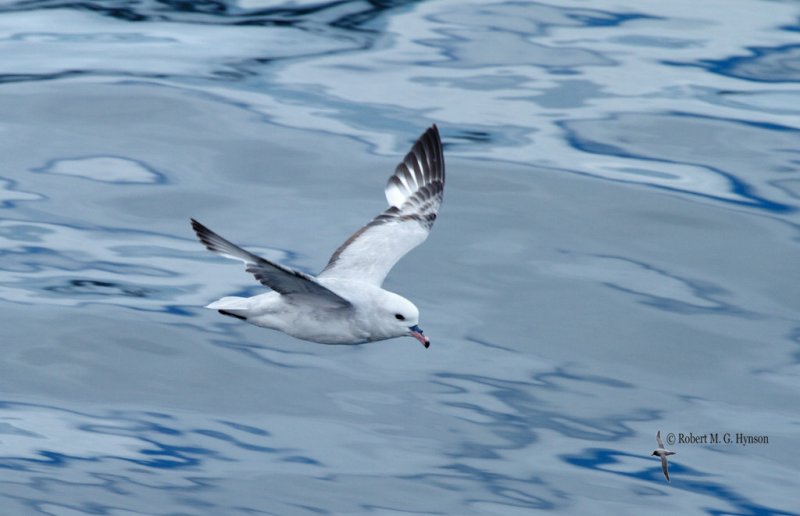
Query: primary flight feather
point(345, 303)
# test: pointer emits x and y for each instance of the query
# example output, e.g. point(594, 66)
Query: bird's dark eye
point(399, 317)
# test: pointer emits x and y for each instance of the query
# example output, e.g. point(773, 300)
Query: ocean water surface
point(618, 253)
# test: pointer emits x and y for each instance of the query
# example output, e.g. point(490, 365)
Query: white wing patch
point(396, 195)
point(414, 193)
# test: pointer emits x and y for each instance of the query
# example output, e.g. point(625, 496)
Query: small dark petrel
point(345, 304)
point(663, 453)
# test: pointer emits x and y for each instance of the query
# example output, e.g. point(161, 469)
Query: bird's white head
point(399, 317)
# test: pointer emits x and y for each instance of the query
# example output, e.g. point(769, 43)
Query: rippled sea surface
point(618, 253)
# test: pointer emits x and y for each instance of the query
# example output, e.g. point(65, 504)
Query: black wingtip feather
point(215, 243)
point(203, 234)
point(432, 143)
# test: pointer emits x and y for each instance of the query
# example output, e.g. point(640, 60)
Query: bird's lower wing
point(664, 467)
point(281, 279)
point(414, 193)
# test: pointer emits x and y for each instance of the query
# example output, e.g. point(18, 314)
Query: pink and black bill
point(416, 332)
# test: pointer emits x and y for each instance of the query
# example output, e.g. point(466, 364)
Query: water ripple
point(715, 148)
point(764, 64)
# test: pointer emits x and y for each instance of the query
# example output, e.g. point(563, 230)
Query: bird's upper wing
point(658, 438)
point(277, 277)
point(664, 466)
point(414, 193)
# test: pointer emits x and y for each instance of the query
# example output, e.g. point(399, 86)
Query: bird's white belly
point(306, 322)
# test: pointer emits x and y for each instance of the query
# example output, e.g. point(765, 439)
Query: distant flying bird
point(663, 453)
point(345, 304)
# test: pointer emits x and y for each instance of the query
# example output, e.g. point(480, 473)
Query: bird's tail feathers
point(232, 306)
point(230, 303)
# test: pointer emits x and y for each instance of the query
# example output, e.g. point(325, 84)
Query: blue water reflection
point(617, 255)
point(696, 482)
point(764, 64)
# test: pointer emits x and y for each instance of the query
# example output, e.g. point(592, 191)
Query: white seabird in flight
point(345, 304)
point(663, 453)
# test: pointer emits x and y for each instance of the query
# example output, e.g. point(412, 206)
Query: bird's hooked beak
point(416, 332)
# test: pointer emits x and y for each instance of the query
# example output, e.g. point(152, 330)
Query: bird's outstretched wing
point(414, 193)
point(664, 467)
point(658, 439)
point(281, 279)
